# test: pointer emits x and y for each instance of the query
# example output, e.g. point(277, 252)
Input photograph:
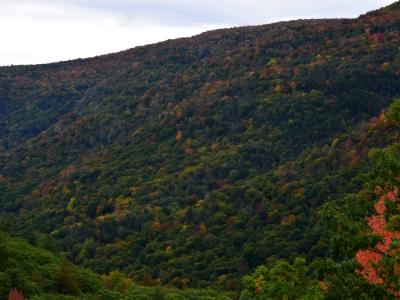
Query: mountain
point(190, 162)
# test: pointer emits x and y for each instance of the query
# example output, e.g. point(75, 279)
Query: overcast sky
point(40, 31)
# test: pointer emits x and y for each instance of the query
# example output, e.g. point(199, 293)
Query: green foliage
point(40, 274)
point(346, 226)
point(341, 281)
point(281, 281)
point(393, 114)
point(5, 285)
point(65, 278)
point(394, 223)
point(349, 227)
point(387, 167)
point(192, 162)
point(24, 267)
point(117, 281)
point(71, 204)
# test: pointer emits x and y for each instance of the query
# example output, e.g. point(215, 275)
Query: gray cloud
point(236, 12)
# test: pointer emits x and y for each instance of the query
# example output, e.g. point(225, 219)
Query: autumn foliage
point(16, 295)
point(370, 259)
point(193, 161)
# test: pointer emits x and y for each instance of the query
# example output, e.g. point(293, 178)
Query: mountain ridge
point(144, 160)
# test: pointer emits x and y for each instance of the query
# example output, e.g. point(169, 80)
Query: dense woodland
point(239, 163)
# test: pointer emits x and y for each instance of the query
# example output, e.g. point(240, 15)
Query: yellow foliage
point(259, 284)
point(121, 203)
point(272, 62)
point(189, 170)
point(278, 89)
point(203, 228)
point(233, 219)
point(299, 193)
point(71, 204)
point(288, 220)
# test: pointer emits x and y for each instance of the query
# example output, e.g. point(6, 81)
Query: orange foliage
point(68, 171)
point(189, 151)
point(370, 258)
point(179, 135)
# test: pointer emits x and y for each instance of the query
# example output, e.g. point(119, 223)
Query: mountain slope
point(195, 160)
point(39, 274)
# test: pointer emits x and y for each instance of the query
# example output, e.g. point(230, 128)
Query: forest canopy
point(237, 163)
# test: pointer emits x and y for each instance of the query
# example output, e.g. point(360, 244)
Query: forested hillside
point(38, 274)
point(191, 162)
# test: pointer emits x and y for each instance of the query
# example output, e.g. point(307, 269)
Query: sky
point(42, 31)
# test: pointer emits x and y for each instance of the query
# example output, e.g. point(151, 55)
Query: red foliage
point(370, 258)
point(377, 38)
point(15, 295)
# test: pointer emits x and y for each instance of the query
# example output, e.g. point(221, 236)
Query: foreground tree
point(282, 281)
point(364, 231)
point(65, 278)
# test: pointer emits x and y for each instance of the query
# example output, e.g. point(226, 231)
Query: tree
point(117, 281)
point(65, 278)
point(393, 113)
point(15, 295)
point(281, 281)
point(364, 234)
point(370, 259)
point(5, 285)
